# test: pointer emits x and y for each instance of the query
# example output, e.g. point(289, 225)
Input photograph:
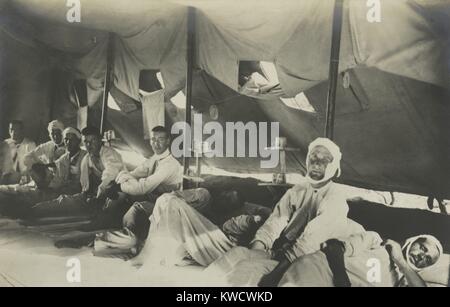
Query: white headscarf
point(55, 124)
point(333, 168)
point(407, 246)
point(73, 131)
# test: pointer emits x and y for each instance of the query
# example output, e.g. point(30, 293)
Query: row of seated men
point(306, 239)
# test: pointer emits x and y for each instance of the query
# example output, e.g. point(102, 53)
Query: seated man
point(13, 151)
point(157, 175)
point(364, 260)
point(47, 153)
point(98, 168)
point(308, 214)
point(48, 182)
point(68, 167)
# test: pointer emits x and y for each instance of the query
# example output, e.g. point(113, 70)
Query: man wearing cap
point(48, 152)
point(98, 168)
point(62, 177)
point(12, 152)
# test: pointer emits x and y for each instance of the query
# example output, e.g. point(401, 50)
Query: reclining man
point(307, 215)
point(13, 151)
point(47, 153)
point(363, 260)
point(48, 182)
point(237, 219)
point(98, 168)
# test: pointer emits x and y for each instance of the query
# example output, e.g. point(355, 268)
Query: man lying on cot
point(363, 260)
point(237, 227)
point(307, 215)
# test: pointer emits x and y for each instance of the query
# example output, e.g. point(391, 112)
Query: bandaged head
point(333, 167)
point(74, 131)
point(55, 124)
point(422, 251)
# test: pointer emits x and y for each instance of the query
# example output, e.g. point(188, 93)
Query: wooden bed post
point(189, 78)
point(334, 68)
point(108, 80)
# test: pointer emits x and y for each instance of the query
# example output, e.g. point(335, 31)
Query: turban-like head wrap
point(333, 168)
point(407, 246)
point(73, 131)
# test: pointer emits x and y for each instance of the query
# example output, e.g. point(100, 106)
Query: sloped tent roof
point(296, 36)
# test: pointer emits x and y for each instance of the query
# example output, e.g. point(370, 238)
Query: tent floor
point(29, 258)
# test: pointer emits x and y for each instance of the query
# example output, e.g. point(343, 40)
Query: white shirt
point(45, 153)
point(112, 164)
point(322, 213)
point(161, 172)
point(16, 156)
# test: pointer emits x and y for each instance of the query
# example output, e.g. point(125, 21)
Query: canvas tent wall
point(400, 142)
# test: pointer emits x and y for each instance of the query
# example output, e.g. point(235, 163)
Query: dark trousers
point(137, 219)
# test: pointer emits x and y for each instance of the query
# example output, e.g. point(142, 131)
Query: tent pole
point(334, 68)
point(107, 81)
point(189, 79)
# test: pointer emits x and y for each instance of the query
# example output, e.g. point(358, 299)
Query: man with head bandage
point(308, 214)
point(97, 169)
point(48, 152)
point(323, 162)
point(49, 180)
point(68, 166)
point(352, 262)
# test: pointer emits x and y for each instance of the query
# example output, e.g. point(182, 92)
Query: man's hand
point(333, 246)
point(395, 251)
point(334, 251)
point(273, 278)
point(112, 190)
point(258, 245)
point(269, 280)
point(51, 165)
point(123, 176)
